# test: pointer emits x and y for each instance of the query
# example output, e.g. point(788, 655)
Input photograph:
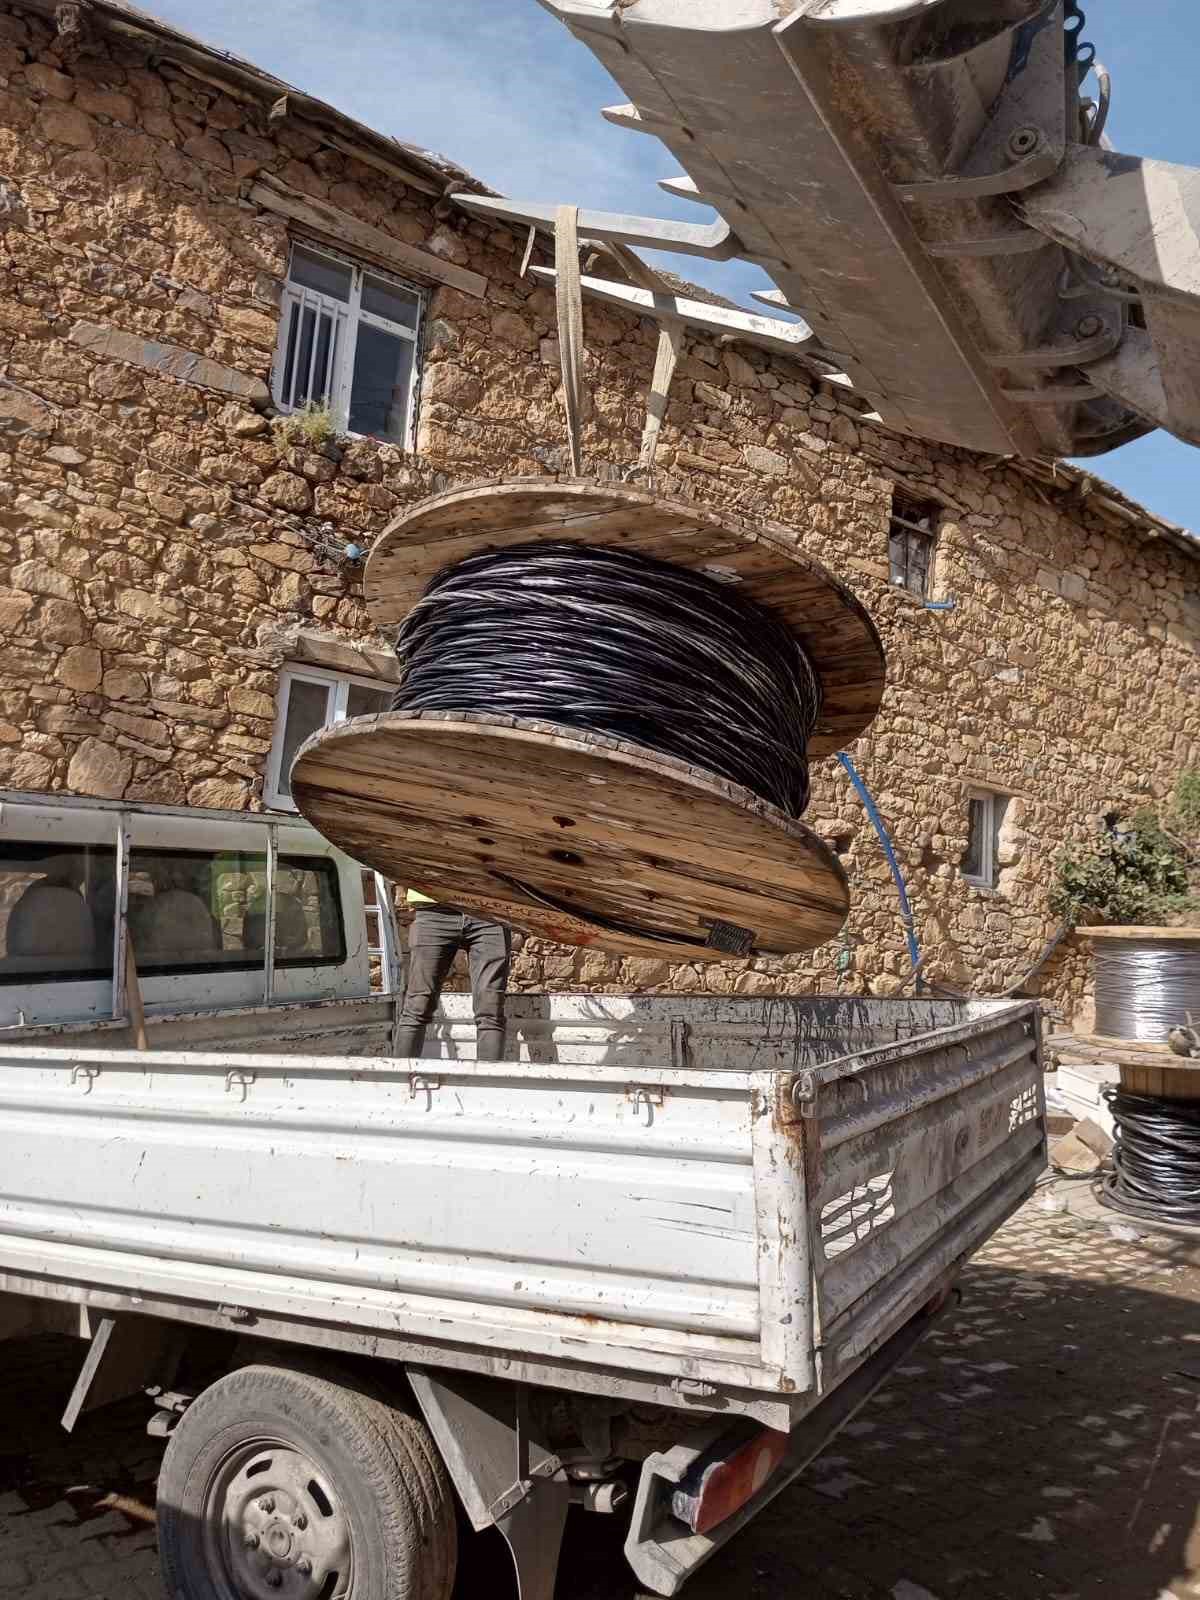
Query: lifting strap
point(670, 348)
point(569, 307)
point(568, 293)
point(670, 345)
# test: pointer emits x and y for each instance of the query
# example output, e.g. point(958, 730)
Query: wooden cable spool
point(548, 827)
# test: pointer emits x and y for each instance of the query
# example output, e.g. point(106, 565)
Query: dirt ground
point(1043, 1444)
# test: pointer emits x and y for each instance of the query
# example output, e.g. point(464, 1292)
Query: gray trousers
point(436, 936)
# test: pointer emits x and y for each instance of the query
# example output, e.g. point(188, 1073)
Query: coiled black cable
point(1156, 1158)
point(620, 644)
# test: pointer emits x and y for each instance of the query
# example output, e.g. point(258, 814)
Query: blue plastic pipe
point(906, 916)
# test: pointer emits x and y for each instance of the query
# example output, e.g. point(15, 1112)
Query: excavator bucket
point(928, 186)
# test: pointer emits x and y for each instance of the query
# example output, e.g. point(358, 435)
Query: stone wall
point(157, 541)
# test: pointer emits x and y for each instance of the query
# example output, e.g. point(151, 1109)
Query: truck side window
point(56, 912)
point(206, 911)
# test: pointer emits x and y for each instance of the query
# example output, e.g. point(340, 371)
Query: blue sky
point(503, 88)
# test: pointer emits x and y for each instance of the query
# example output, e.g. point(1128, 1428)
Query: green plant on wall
point(312, 426)
point(1187, 803)
point(1139, 875)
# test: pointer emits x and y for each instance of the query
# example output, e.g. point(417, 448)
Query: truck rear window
point(194, 911)
point(189, 911)
point(56, 912)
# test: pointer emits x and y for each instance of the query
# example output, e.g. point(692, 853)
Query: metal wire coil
point(619, 644)
point(1156, 1159)
point(1145, 987)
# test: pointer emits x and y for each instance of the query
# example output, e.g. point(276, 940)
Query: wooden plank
point(767, 558)
point(348, 231)
point(495, 812)
point(393, 168)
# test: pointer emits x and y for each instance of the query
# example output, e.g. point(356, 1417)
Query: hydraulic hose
point(906, 916)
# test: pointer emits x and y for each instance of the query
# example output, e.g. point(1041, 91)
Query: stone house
point(189, 246)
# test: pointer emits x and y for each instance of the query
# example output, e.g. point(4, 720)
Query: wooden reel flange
point(577, 837)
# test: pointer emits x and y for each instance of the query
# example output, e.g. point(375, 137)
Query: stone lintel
point(311, 647)
point(169, 360)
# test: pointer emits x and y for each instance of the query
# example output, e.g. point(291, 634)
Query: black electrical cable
point(1156, 1158)
point(619, 644)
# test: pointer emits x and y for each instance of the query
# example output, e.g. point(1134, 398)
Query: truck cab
point(229, 914)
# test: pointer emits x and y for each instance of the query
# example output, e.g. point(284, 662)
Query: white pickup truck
point(655, 1258)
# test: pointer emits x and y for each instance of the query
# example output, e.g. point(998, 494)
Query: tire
point(289, 1483)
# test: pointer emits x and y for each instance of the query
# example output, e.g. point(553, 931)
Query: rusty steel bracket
point(503, 1503)
point(805, 1088)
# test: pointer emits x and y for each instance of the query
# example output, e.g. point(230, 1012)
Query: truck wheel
point(280, 1482)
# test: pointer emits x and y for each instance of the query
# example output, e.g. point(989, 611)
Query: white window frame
point(335, 711)
point(348, 317)
point(988, 874)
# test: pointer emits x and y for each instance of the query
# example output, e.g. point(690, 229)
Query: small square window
point(307, 710)
point(980, 863)
point(310, 698)
point(912, 535)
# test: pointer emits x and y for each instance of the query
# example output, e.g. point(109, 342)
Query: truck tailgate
point(915, 1154)
point(707, 1197)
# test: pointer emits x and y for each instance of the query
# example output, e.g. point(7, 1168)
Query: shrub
point(1138, 876)
point(1187, 802)
point(313, 426)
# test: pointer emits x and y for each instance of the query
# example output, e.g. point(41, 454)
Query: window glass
point(202, 911)
point(363, 702)
point(309, 358)
point(911, 537)
point(307, 710)
point(389, 300)
point(898, 555)
point(918, 564)
point(383, 365)
point(294, 317)
point(56, 912)
point(308, 913)
point(999, 812)
point(972, 864)
point(313, 271)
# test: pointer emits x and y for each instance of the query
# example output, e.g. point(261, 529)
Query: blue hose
point(906, 916)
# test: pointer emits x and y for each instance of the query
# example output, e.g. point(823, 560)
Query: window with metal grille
point(348, 341)
point(980, 864)
point(912, 534)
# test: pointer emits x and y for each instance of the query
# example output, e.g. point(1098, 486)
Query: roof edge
point(1088, 489)
point(436, 174)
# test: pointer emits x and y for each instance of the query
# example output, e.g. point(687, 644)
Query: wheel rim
point(275, 1526)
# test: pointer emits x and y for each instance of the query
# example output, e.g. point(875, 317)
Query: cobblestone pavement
point(1044, 1444)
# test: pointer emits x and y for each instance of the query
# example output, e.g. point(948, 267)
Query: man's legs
point(433, 941)
point(489, 951)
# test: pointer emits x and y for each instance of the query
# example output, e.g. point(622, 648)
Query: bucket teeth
point(919, 180)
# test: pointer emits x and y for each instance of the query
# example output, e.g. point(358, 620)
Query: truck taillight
point(717, 1486)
